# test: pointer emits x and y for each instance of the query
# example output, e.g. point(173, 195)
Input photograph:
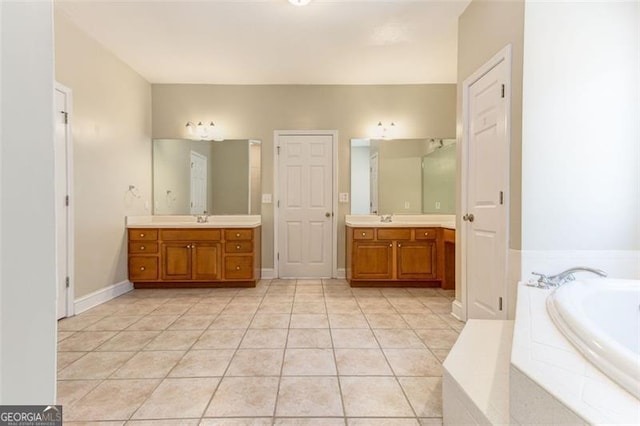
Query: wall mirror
point(194, 177)
point(403, 176)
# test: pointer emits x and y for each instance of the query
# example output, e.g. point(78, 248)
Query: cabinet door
point(206, 261)
point(176, 261)
point(372, 260)
point(417, 260)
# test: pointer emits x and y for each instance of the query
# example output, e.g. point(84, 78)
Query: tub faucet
point(546, 281)
point(385, 218)
point(203, 218)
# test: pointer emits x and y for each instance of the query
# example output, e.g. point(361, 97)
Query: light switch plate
point(344, 197)
point(266, 198)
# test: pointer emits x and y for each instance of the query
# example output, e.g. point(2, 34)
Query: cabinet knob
point(426, 233)
point(142, 235)
point(363, 234)
point(238, 247)
point(238, 234)
point(391, 245)
point(399, 245)
point(141, 248)
point(237, 268)
point(142, 268)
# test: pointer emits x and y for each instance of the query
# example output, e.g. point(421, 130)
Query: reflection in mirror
point(206, 177)
point(403, 176)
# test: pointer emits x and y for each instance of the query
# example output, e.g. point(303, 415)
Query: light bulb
point(299, 2)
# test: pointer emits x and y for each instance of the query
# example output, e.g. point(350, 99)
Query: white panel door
point(373, 182)
point(306, 203)
point(198, 183)
point(62, 210)
point(488, 175)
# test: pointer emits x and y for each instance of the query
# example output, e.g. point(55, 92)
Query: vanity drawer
point(394, 234)
point(190, 234)
point(425, 233)
point(143, 247)
point(143, 234)
point(238, 234)
point(143, 268)
point(238, 267)
point(363, 234)
point(239, 247)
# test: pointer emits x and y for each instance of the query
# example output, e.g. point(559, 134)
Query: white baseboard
point(341, 273)
point(101, 296)
point(456, 310)
point(268, 274)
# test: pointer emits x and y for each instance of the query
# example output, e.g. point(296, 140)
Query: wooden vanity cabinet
point(187, 257)
point(394, 256)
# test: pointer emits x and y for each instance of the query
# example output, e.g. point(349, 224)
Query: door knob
point(327, 214)
point(465, 217)
point(471, 217)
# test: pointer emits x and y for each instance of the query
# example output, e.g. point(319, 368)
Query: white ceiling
point(273, 42)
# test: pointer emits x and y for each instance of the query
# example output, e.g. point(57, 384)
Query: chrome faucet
point(547, 281)
point(203, 218)
point(385, 218)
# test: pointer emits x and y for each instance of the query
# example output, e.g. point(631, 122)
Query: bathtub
point(601, 318)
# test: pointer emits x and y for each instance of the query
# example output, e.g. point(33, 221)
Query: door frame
point(459, 307)
point(277, 134)
point(70, 291)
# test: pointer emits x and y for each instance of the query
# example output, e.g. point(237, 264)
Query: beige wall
point(256, 111)
point(111, 125)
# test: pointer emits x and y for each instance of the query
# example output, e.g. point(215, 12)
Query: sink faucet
point(546, 281)
point(385, 218)
point(203, 218)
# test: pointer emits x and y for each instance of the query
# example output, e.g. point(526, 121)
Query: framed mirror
point(403, 176)
point(206, 177)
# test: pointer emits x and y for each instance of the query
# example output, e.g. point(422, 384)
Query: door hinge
point(66, 282)
point(278, 256)
point(65, 114)
point(278, 203)
point(502, 95)
point(66, 200)
point(501, 198)
point(278, 149)
point(500, 303)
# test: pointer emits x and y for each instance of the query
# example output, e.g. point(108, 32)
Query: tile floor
point(305, 352)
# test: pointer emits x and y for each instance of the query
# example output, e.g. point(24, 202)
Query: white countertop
point(541, 352)
point(218, 221)
point(402, 220)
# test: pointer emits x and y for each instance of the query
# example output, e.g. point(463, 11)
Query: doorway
point(306, 226)
point(485, 189)
point(63, 212)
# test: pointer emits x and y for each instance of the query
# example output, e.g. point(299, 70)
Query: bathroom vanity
point(416, 250)
point(177, 251)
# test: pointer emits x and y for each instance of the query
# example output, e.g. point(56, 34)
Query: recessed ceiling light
point(299, 2)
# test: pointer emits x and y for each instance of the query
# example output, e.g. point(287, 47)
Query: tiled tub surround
point(551, 382)
point(286, 352)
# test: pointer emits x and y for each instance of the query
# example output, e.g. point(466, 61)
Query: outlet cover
point(344, 197)
point(266, 198)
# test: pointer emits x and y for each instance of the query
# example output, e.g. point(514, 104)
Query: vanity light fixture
point(203, 132)
point(386, 132)
point(299, 2)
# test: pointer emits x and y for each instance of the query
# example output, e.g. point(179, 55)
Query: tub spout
point(557, 280)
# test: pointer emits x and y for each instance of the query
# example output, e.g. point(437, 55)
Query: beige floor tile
point(424, 321)
point(219, 339)
point(148, 365)
point(172, 309)
point(240, 309)
point(439, 305)
point(438, 339)
point(66, 358)
point(356, 320)
point(113, 323)
point(413, 362)
point(264, 339)
point(374, 397)
point(256, 362)
point(64, 335)
point(203, 363)
point(173, 340)
point(353, 338)
point(275, 308)
point(308, 307)
point(115, 423)
point(111, 400)
point(441, 354)
point(103, 310)
point(206, 309)
point(362, 362)
point(425, 395)
point(153, 323)
point(231, 321)
point(309, 397)
point(432, 421)
point(366, 292)
point(337, 306)
point(138, 309)
point(192, 322)
point(83, 341)
point(408, 306)
point(386, 321)
point(129, 341)
point(309, 321)
point(163, 422)
point(310, 421)
point(270, 321)
point(237, 421)
point(70, 391)
point(244, 396)
point(177, 398)
point(389, 421)
point(95, 365)
point(309, 362)
point(312, 338)
point(375, 305)
point(390, 338)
